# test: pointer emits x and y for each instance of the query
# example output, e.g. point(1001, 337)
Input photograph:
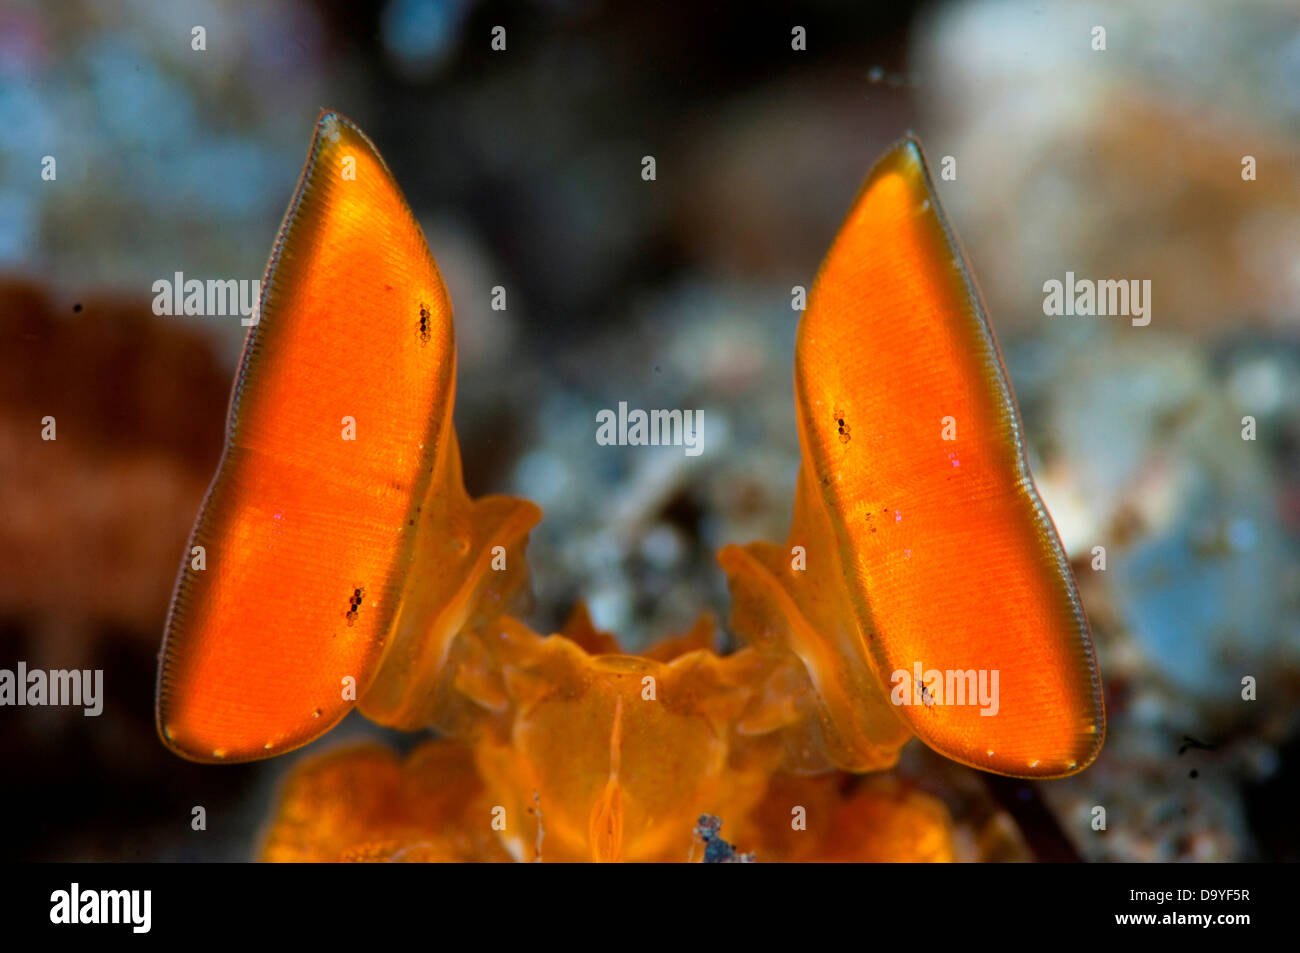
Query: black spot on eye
point(76, 308)
point(844, 428)
point(927, 696)
point(426, 324)
point(354, 604)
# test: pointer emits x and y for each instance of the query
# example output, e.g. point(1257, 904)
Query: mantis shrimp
point(345, 566)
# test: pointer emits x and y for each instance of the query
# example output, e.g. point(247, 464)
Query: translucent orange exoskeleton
point(915, 499)
point(339, 485)
point(344, 564)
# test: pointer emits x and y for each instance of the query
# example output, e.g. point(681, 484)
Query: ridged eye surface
point(340, 409)
point(964, 601)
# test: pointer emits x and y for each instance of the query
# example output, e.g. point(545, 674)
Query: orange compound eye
point(339, 417)
point(913, 455)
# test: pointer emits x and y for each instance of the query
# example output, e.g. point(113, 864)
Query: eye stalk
point(339, 475)
point(931, 562)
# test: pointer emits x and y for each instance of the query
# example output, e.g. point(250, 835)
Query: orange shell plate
point(306, 533)
point(950, 559)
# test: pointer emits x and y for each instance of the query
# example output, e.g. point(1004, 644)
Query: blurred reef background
point(524, 168)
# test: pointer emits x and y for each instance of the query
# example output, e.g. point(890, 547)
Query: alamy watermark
point(129, 907)
point(215, 297)
point(83, 688)
point(1084, 297)
point(930, 687)
point(653, 428)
